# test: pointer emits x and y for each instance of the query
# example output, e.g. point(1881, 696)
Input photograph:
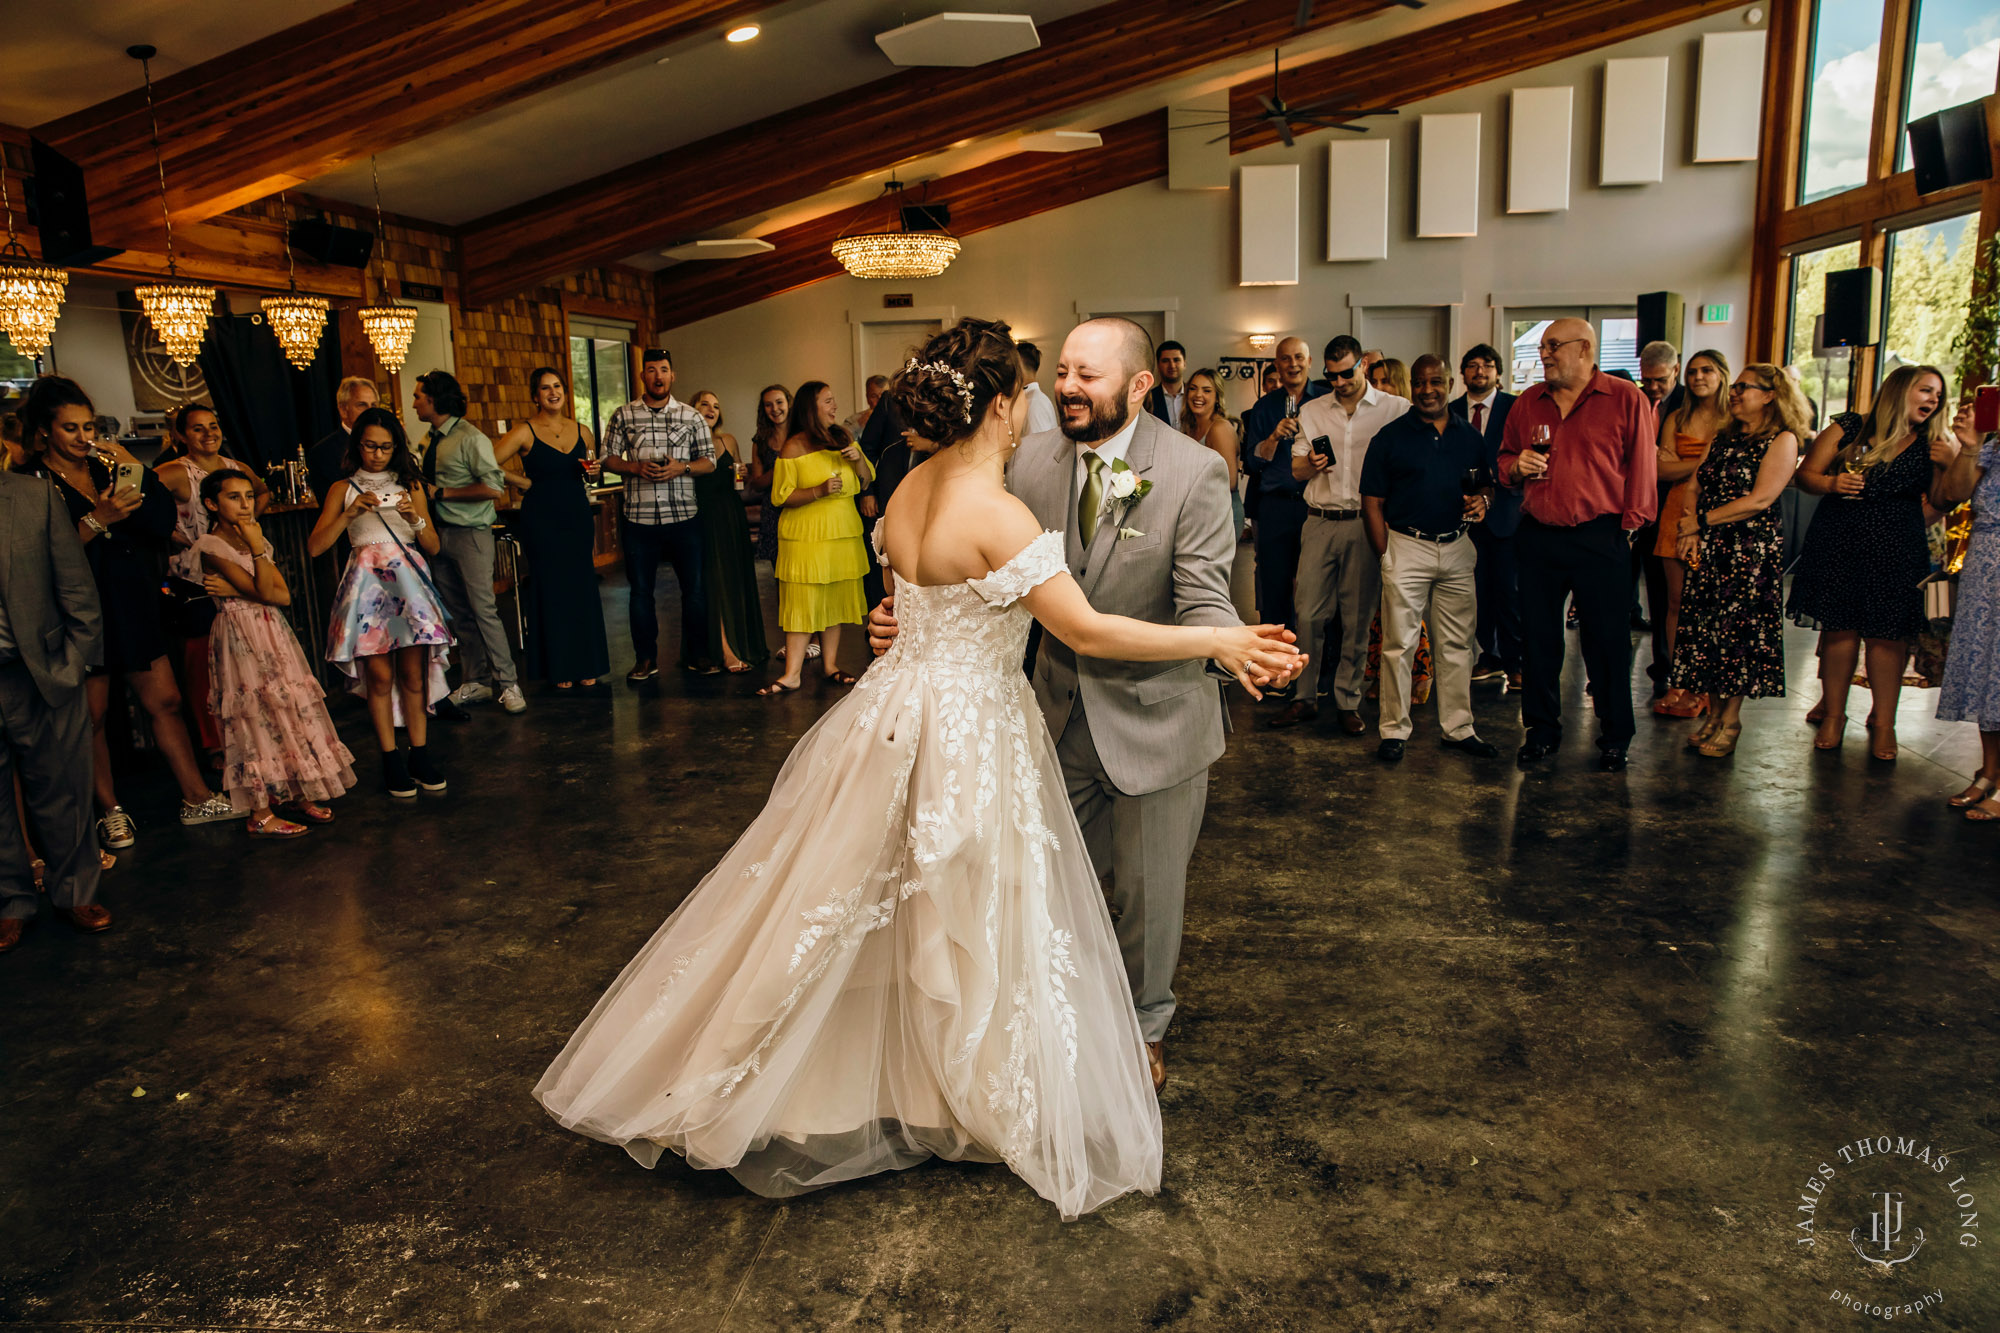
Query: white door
point(885, 348)
point(1405, 333)
point(430, 349)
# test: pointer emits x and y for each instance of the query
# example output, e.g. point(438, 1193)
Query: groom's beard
point(1104, 422)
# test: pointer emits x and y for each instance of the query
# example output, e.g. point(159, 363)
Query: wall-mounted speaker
point(330, 243)
point(926, 217)
point(1853, 308)
point(60, 209)
point(1662, 317)
point(1951, 147)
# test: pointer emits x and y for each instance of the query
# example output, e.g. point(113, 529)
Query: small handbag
point(1940, 596)
point(190, 609)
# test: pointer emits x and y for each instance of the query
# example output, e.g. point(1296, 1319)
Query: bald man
point(1269, 428)
point(1581, 448)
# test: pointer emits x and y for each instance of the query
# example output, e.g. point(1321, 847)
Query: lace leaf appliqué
point(1033, 565)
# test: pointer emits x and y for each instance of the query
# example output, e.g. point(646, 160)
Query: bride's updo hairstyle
point(945, 389)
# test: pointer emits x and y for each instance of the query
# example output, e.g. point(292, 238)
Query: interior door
point(885, 348)
point(430, 349)
point(1407, 332)
point(1617, 329)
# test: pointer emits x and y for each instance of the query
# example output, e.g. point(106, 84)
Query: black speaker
point(1662, 318)
point(60, 210)
point(330, 243)
point(926, 217)
point(1950, 147)
point(1853, 308)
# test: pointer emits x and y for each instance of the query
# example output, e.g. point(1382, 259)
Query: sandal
point(1681, 703)
point(310, 811)
point(840, 678)
point(1976, 794)
point(738, 669)
point(565, 684)
point(1721, 743)
point(777, 687)
point(270, 826)
point(1886, 752)
point(1824, 741)
point(1985, 812)
point(1700, 735)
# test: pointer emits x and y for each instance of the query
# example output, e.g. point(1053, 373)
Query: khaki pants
point(1425, 582)
point(1337, 573)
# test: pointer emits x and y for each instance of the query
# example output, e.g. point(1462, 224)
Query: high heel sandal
point(1681, 703)
point(1839, 723)
point(1886, 753)
point(1700, 735)
point(1976, 794)
point(1722, 741)
point(1980, 814)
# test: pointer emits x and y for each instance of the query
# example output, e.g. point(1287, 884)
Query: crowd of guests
point(1411, 524)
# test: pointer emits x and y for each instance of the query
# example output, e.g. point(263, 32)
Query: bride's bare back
point(946, 524)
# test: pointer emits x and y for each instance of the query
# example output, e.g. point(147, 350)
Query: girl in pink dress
point(279, 743)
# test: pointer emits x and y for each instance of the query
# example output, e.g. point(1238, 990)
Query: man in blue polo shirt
point(1418, 499)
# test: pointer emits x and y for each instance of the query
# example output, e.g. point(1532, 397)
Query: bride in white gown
point(908, 953)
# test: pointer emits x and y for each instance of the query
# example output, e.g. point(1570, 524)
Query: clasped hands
point(661, 471)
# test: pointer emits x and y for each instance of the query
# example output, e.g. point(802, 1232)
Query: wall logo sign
point(422, 291)
point(899, 301)
point(1890, 1221)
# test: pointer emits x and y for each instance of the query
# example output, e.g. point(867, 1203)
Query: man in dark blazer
point(51, 630)
point(1485, 405)
point(1169, 389)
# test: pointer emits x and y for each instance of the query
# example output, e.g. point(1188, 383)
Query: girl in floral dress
point(279, 744)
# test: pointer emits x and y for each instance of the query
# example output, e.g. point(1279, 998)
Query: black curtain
point(267, 408)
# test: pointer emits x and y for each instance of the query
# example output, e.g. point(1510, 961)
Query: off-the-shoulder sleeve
point(784, 480)
point(1033, 565)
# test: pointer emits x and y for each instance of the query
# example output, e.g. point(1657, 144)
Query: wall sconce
point(1262, 342)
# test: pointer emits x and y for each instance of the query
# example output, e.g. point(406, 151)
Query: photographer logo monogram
point(1889, 1200)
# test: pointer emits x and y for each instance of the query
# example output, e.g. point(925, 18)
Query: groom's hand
point(882, 627)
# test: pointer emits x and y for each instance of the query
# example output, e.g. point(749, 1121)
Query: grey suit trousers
point(1146, 842)
point(464, 574)
point(1338, 571)
point(49, 748)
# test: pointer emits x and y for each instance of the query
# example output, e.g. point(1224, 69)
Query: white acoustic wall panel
point(1731, 98)
point(1634, 150)
point(1448, 175)
point(1198, 147)
point(1538, 135)
point(1268, 198)
point(1357, 199)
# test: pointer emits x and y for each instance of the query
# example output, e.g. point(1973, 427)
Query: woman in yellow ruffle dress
point(821, 559)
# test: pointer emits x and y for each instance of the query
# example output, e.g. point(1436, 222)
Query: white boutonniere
point(1123, 490)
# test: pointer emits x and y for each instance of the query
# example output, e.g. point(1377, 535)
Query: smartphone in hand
point(128, 478)
point(1323, 446)
point(1986, 409)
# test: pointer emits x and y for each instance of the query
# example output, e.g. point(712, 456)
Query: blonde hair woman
point(1390, 376)
point(1684, 436)
point(1202, 417)
point(1865, 552)
point(1731, 644)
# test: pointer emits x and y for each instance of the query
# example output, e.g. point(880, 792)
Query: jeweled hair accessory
point(963, 384)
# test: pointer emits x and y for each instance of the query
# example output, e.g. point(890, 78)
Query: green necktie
point(1093, 497)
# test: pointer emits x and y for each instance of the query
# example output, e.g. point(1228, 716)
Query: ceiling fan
point(1306, 10)
point(1290, 121)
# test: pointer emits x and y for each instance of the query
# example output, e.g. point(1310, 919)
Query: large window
point(600, 370)
point(1930, 281)
point(1840, 104)
point(1825, 379)
point(1954, 54)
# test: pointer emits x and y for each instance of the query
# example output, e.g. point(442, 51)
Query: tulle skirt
point(907, 954)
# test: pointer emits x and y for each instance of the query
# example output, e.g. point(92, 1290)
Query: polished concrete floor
point(1459, 1047)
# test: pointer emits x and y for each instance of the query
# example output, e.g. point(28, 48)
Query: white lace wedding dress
point(907, 954)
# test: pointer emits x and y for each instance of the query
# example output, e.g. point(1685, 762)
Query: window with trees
point(1930, 281)
point(1825, 379)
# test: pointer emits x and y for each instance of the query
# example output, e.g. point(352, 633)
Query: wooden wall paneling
point(355, 80)
point(1470, 51)
point(1786, 54)
point(1115, 48)
point(1892, 82)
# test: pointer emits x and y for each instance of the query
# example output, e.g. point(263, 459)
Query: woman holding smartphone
point(125, 520)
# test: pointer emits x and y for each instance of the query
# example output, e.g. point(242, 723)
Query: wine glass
point(1851, 463)
point(1472, 480)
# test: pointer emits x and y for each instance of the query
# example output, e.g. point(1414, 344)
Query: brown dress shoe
point(1299, 710)
point(90, 918)
point(1351, 723)
point(1157, 1058)
point(10, 932)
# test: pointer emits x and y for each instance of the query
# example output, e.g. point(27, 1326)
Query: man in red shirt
point(1581, 448)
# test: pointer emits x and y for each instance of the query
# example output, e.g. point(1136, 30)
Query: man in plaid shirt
point(660, 446)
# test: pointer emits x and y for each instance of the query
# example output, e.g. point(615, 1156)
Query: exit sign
point(899, 301)
point(1715, 314)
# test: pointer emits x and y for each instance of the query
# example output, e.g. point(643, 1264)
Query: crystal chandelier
point(30, 293)
point(297, 319)
point(178, 311)
point(896, 254)
point(389, 326)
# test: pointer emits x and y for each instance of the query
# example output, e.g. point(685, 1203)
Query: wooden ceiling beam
point(331, 90)
point(1103, 52)
point(1443, 58)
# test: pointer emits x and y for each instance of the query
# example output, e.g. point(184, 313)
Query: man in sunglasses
point(1580, 446)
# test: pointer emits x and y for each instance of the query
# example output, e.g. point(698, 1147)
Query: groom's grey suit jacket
point(1154, 724)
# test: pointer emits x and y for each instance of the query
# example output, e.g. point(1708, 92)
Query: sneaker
point(115, 830)
point(423, 771)
point(396, 776)
point(1488, 668)
point(512, 700)
point(472, 692)
point(643, 669)
point(210, 811)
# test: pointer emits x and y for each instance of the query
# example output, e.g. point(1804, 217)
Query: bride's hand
point(1257, 654)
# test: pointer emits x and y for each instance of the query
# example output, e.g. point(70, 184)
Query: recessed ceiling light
point(744, 33)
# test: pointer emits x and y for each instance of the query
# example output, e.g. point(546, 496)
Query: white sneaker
point(472, 692)
point(512, 701)
point(115, 829)
point(215, 808)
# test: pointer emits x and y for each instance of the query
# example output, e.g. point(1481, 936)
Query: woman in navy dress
point(566, 642)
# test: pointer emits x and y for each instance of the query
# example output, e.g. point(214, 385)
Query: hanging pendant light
point(389, 326)
point(298, 320)
point(900, 253)
point(177, 310)
point(31, 293)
